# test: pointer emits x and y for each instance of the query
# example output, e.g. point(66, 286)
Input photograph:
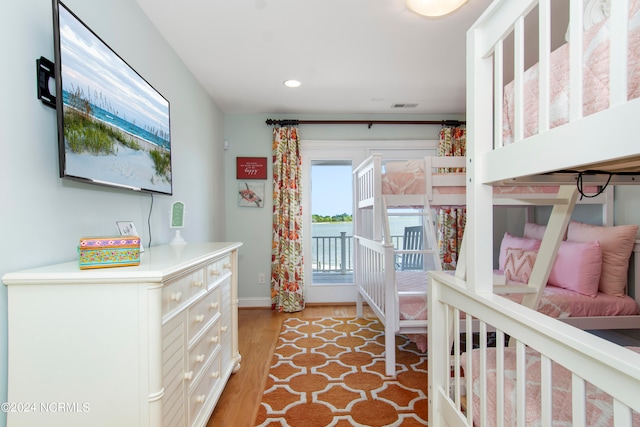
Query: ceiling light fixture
point(292, 83)
point(433, 8)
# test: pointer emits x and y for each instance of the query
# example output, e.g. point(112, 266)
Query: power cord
point(580, 184)
point(149, 220)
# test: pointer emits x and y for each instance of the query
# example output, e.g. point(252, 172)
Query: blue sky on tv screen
point(88, 64)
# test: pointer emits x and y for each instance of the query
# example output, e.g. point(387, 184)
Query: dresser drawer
point(178, 292)
point(218, 269)
point(195, 283)
point(203, 349)
point(201, 313)
point(203, 390)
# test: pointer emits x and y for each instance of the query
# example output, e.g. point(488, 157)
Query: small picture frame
point(127, 228)
point(177, 215)
point(251, 194)
point(251, 168)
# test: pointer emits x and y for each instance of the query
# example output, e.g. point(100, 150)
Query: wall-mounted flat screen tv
point(113, 126)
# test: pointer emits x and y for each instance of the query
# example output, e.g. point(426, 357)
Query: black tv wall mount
point(46, 71)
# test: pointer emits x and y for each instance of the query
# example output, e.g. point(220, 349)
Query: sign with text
point(251, 168)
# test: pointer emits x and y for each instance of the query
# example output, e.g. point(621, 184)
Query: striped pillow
point(518, 264)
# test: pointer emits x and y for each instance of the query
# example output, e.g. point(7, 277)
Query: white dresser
point(150, 345)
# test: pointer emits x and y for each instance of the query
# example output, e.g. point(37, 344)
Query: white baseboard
point(254, 302)
point(266, 302)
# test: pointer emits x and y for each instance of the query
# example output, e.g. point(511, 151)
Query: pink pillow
point(577, 267)
point(519, 264)
point(536, 231)
point(509, 241)
point(616, 243)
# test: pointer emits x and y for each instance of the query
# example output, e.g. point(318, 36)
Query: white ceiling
point(352, 56)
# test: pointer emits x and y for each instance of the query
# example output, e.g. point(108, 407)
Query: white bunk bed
point(398, 298)
point(599, 381)
point(408, 187)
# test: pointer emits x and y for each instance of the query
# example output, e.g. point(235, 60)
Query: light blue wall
point(43, 216)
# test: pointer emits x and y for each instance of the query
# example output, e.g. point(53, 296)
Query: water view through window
point(332, 225)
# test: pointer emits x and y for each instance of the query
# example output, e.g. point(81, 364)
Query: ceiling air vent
point(404, 105)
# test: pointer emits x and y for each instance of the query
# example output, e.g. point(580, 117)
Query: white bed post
point(357, 218)
point(478, 235)
point(391, 309)
point(377, 203)
point(438, 360)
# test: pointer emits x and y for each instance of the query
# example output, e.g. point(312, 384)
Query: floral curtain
point(451, 220)
point(287, 266)
point(453, 142)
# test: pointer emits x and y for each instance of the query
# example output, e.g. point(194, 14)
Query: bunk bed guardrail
point(613, 369)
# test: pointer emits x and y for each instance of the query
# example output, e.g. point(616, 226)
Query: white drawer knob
point(176, 296)
point(197, 284)
point(214, 273)
point(200, 358)
point(214, 339)
point(188, 375)
point(227, 266)
point(200, 318)
point(200, 399)
point(214, 305)
point(215, 374)
point(223, 328)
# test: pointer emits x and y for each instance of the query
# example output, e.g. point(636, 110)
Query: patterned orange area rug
point(330, 372)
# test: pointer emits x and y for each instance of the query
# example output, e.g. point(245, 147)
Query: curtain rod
point(272, 122)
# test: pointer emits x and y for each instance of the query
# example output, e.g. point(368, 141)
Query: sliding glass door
point(328, 208)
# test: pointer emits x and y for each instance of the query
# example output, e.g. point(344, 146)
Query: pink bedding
point(414, 183)
point(555, 302)
point(595, 78)
point(403, 183)
point(599, 404)
point(412, 307)
point(562, 303)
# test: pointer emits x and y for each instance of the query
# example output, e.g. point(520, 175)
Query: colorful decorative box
point(102, 252)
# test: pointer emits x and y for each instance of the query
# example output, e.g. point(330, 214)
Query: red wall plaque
point(251, 167)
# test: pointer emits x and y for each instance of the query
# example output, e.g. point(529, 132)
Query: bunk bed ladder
point(563, 204)
point(419, 249)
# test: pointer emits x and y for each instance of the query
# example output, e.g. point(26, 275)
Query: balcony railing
point(334, 254)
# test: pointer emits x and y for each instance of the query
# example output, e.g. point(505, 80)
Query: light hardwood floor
point(258, 331)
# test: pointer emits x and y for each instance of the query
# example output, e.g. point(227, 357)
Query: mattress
point(562, 303)
point(555, 302)
point(412, 307)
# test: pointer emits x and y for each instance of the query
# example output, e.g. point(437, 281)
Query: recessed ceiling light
point(292, 83)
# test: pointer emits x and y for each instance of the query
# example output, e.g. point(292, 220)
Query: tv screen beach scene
point(116, 125)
